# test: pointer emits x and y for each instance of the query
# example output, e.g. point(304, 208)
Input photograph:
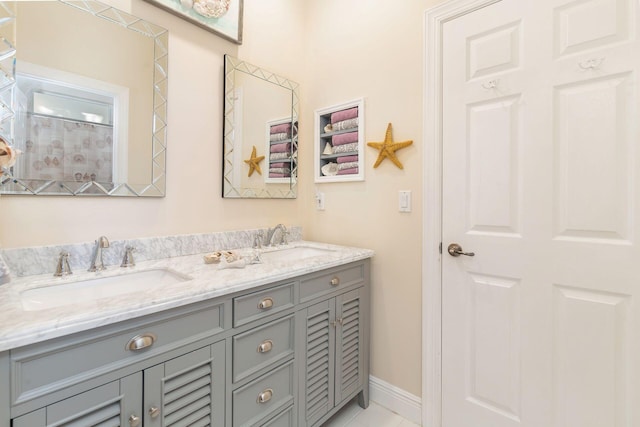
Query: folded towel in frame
point(279, 156)
point(344, 138)
point(280, 165)
point(346, 148)
point(349, 165)
point(279, 170)
point(281, 128)
point(347, 159)
point(345, 124)
point(279, 175)
point(280, 148)
point(279, 136)
point(341, 115)
point(352, 171)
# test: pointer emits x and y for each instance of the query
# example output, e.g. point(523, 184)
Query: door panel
point(187, 390)
point(494, 340)
point(349, 352)
point(540, 135)
point(592, 134)
point(591, 357)
point(493, 166)
point(589, 24)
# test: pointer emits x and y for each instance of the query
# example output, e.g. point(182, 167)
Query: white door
point(541, 181)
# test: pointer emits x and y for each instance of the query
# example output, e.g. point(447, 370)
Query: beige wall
point(374, 49)
point(338, 51)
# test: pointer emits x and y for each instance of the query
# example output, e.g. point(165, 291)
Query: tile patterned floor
point(375, 415)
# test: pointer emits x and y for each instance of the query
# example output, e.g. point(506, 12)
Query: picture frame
point(222, 17)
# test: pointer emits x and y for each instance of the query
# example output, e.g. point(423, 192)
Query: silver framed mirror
point(260, 146)
point(88, 113)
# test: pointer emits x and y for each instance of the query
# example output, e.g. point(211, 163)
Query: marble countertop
point(19, 327)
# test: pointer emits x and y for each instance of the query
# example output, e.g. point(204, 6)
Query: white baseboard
point(395, 399)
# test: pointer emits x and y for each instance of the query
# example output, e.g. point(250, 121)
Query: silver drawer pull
point(335, 281)
point(141, 341)
point(265, 303)
point(154, 411)
point(265, 396)
point(134, 421)
point(265, 346)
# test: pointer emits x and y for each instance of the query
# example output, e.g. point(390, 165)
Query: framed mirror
point(260, 148)
point(88, 100)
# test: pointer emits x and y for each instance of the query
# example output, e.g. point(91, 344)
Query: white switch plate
point(320, 201)
point(404, 200)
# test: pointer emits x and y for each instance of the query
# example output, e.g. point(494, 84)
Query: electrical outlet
point(320, 201)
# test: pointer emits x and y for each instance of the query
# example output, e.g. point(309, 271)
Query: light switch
point(404, 200)
point(320, 201)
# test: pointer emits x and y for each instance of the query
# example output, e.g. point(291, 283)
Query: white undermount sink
point(293, 253)
point(81, 291)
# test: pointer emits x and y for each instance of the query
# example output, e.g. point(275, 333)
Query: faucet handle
point(127, 259)
point(258, 239)
point(63, 268)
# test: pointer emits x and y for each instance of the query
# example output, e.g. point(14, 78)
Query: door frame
point(434, 19)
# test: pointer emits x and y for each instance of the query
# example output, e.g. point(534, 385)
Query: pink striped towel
point(282, 128)
point(351, 171)
point(344, 138)
point(339, 116)
point(348, 159)
point(281, 148)
point(280, 165)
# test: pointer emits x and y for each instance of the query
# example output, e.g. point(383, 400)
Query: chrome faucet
point(272, 232)
point(258, 239)
point(63, 268)
point(127, 259)
point(96, 261)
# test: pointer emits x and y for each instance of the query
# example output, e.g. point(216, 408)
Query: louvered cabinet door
point(115, 404)
point(187, 391)
point(349, 345)
point(316, 394)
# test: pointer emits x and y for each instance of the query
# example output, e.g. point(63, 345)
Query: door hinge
point(440, 248)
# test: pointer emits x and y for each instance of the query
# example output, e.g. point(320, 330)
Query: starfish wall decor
point(388, 148)
point(254, 162)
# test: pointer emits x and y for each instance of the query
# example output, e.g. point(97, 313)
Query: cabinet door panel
point(349, 351)
point(317, 393)
point(187, 390)
point(108, 405)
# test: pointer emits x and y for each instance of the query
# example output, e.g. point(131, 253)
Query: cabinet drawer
point(260, 347)
point(329, 282)
point(284, 419)
point(247, 308)
point(53, 365)
point(260, 399)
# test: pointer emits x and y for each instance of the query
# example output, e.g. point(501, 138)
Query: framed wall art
point(222, 17)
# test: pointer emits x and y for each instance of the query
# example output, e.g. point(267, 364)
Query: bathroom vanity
point(280, 343)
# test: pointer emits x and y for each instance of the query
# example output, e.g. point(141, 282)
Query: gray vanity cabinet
point(334, 349)
point(163, 369)
point(283, 355)
point(184, 391)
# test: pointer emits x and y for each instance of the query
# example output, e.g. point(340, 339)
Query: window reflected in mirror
point(89, 100)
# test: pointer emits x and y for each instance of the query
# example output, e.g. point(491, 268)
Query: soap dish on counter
point(215, 257)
